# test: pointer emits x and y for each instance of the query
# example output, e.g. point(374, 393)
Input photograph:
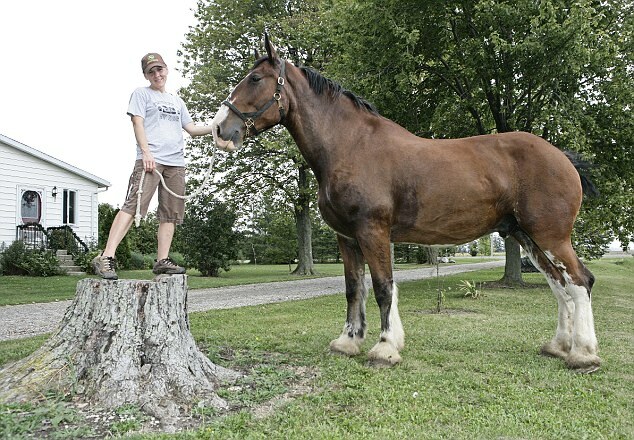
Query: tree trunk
point(513, 268)
point(123, 342)
point(305, 265)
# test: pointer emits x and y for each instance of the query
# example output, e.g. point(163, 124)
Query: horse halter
point(249, 118)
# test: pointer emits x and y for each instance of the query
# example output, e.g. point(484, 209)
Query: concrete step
point(67, 264)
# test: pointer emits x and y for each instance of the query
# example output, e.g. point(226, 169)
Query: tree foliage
point(560, 69)
point(218, 53)
point(210, 242)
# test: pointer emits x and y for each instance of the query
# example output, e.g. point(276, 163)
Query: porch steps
point(67, 264)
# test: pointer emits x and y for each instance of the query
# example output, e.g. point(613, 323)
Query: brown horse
point(378, 184)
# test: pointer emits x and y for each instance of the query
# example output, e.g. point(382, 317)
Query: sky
point(68, 68)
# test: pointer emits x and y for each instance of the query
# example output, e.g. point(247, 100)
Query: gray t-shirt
point(164, 117)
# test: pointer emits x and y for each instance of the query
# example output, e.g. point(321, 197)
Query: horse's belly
point(446, 228)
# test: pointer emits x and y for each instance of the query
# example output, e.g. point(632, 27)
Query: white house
point(36, 187)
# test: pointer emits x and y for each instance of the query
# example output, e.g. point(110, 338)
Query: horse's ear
point(256, 54)
point(270, 50)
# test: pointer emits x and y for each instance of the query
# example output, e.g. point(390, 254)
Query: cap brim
point(154, 64)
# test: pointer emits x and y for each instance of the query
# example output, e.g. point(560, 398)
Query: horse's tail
point(583, 168)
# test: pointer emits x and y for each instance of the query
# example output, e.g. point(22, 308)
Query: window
point(31, 207)
point(69, 207)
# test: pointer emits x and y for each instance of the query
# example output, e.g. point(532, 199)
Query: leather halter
point(249, 118)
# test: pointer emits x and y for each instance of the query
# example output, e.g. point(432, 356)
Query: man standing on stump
point(158, 120)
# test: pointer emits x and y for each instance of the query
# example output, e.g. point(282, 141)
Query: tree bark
point(513, 267)
point(122, 342)
point(305, 265)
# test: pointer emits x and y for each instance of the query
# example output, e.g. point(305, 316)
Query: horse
point(379, 183)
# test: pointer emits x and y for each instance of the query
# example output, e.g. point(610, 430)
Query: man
point(158, 120)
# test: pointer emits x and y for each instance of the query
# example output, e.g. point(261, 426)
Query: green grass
point(471, 372)
point(27, 290)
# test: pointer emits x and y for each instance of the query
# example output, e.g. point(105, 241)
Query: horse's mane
point(320, 84)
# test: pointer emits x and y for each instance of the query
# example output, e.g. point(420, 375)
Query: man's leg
point(104, 264)
point(118, 230)
point(163, 264)
point(165, 235)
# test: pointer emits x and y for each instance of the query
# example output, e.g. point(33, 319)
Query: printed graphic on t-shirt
point(167, 111)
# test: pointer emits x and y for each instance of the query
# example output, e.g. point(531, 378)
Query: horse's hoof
point(588, 370)
point(583, 364)
point(384, 355)
point(345, 345)
point(383, 363)
point(554, 350)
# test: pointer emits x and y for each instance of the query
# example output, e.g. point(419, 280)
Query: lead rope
point(137, 217)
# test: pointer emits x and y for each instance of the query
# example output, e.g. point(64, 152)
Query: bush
point(84, 260)
point(137, 261)
point(178, 258)
point(210, 243)
point(17, 259)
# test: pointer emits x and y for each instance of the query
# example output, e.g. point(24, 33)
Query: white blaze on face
point(221, 115)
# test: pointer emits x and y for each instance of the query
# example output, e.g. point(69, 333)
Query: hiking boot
point(104, 267)
point(167, 266)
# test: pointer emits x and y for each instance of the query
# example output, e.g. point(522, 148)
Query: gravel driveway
point(26, 320)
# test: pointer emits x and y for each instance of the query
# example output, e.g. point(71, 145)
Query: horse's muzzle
point(225, 136)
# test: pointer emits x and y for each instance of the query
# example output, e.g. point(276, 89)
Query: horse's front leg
point(376, 248)
point(353, 334)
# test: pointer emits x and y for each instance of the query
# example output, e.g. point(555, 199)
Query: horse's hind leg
point(583, 352)
point(575, 340)
point(353, 334)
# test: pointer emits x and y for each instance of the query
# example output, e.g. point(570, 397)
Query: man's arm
point(198, 130)
point(141, 140)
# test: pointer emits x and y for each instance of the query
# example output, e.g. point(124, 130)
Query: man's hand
point(148, 162)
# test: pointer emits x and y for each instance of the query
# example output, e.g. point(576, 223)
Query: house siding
point(21, 171)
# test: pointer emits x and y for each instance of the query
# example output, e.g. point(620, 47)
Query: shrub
point(84, 260)
point(470, 289)
point(137, 261)
point(17, 259)
point(210, 243)
point(178, 258)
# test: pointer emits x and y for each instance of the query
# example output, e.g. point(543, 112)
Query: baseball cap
point(150, 60)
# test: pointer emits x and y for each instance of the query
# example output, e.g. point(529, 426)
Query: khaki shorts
point(170, 209)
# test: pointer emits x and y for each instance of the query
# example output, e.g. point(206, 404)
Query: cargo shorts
point(170, 209)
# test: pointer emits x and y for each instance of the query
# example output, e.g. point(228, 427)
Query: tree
point(325, 246)
point(216, 55)
point(446, 69)
point(272, 236)
point(210, 242)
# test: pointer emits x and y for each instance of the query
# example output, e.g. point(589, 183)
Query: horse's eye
point(255, 78)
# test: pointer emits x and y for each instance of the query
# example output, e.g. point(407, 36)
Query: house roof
point(102, 183)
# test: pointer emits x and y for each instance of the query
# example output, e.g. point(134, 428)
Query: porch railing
point(63, 237)
point(35, 236)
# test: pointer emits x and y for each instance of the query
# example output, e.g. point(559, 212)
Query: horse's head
point(255, 105)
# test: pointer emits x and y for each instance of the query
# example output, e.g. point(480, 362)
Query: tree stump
point(122, 342)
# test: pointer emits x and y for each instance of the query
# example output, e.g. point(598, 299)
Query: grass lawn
point(470, 372)
point(26, 290)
